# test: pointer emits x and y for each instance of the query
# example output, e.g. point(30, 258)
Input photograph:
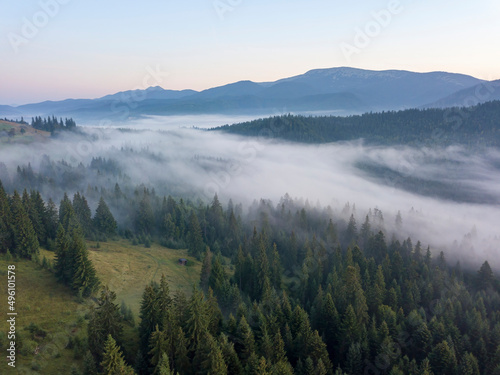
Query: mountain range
point(336, 90)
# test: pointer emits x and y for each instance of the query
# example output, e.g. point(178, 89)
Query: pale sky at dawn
point(58, 49)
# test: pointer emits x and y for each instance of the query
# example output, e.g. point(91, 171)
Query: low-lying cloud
point(182, 161)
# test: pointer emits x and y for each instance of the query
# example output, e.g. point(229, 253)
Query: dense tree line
point(286, 288)
point(27, 222)
point(52, 124)
point(342, 301)
point(471, 126)
point(21, 121)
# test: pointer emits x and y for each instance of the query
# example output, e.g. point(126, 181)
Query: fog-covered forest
point(342, 258)
point(474, 126)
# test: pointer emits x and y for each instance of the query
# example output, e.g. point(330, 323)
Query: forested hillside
point(470, 126)
point(311, 292)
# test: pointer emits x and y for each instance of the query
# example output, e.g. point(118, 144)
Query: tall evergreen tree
point(195, 239)
point(83, 213)
point(104, 222)
point(25, 239)
point(6, 230)
point(63, 259)
point(206, 270)
point(163, 367)
point(149, 314)
point(182, 364)
point(212, 359)
point(144, 219)
point(197, 323)
point(485, 276)
point(105, 320)
point(51, 220)
point(351, 233)
point(113, 362)
point(84, 276)
point(35, 208)
point(67, 215)
point(158, 347)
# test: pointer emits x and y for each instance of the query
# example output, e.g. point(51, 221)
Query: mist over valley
point(448, 196)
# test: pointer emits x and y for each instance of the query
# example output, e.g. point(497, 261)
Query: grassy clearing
point(22, 133)
point(40, 300)
point(50, 306)
point(127, 269)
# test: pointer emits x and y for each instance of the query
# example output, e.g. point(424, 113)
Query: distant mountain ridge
point(480, 93)
point(335, 89)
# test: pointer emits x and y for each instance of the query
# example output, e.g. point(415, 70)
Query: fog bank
point(442, 193)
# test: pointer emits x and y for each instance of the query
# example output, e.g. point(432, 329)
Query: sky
point(59, 49)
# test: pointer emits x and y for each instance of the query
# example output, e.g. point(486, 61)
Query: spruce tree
point(210, 357)
point(218, 279)
point(35, 207)
point(206, 270)
point(51, 220)
point(83, 213)
point(89, 365)
point(275, 271)
point(6, 230)
point(182, 364)
point(230, 357)
point(149, 314)
point(104, 320)
point(245, 342)
point(469, 365)
point(351, 233)
point(104, 222)
point(84, 278)
point(157, 347)
point(195, 239)
point(67, 215)
point(164, 302)
point(163, 367)
point(144, 219)
point(197, 323)
point(113, 362)
point(442, 358)
point(63, 259)
point(25, 239)
point(485, 276)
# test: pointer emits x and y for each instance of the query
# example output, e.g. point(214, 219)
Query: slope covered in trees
point(52, 124)
point(313, 292)
point(470, 126)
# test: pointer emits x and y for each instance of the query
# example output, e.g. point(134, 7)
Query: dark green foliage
point(485, 276)
point(194, 238)
point(67, 215)
point(89, 366)
point(63, 260)
point(72, 264)
point(51, 124)
point(25, 239)
point(144, 220)
point(112, 359)
point(104, 222)
point(6, 230)
point(105, 321)
point(84, 277)
point(411, 126)
point(287, 289)
point(206, 269)
point(83, 213)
